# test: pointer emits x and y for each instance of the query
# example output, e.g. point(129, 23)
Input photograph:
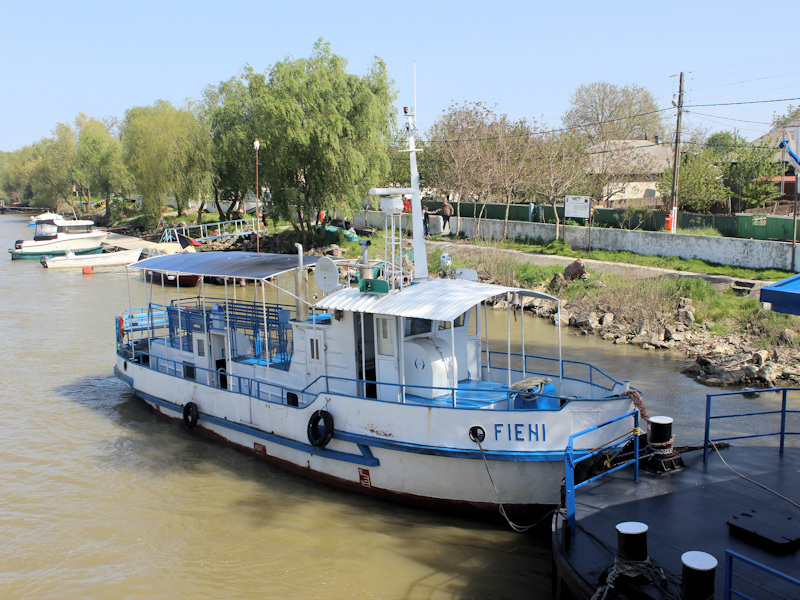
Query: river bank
point(632, 315)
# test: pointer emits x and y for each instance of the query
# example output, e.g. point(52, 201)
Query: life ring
point(190, 414)
point(121, 326)
point(317, 438)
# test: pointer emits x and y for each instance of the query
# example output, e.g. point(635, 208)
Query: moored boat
point(105, 259)
point(389, 389)
point(56, 236)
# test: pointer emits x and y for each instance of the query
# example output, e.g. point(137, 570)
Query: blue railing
point(210, 231)
point(782, 433)
point(565, 370)
point(729, 589)
point(570, 460)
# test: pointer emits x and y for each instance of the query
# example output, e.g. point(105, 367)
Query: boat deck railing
point(210, 231)
point(564, 370)
point(730, 591)
point(783, 412)
point(570, 459)
point(467, 394)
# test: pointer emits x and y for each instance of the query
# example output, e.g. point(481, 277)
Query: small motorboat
point(120, 258)
point(55, 236)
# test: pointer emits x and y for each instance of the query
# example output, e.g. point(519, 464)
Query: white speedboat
point(389, 388)
point(119, 258)
point(55, 236)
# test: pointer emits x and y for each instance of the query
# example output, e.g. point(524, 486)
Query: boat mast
point(420, 254)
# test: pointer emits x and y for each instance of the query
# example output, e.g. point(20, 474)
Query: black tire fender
point(319, 438)
point(190, 414)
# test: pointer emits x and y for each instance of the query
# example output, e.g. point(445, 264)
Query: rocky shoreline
point(716, 360)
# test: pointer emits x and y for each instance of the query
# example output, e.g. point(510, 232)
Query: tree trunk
point(216, 201)
point(555, 210)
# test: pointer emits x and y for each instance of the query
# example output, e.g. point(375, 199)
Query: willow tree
point(166, 150)
point(99, 165)
point(50, 170)
point(327, 138)
point(229, 115)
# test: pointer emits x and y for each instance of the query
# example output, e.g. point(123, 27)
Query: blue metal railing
point(729, 589)
point(570, 460)
point(210, 231)
point(782, 433)
point(567, 370)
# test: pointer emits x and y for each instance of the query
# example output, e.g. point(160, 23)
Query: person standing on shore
point(447, 211)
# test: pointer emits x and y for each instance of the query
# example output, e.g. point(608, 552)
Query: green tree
point(167, 152)
point(50, 170)
point(701, 187)
point(233, 126)
point(747, 171)
point(99, 161)
point(328, 135)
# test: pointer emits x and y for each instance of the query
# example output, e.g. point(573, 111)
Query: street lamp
point(256, 145)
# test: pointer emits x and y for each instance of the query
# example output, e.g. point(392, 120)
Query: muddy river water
point(101, 499)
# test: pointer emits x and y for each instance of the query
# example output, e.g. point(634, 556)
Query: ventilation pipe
point(300, 287)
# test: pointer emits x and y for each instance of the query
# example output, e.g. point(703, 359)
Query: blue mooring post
point(569, 486)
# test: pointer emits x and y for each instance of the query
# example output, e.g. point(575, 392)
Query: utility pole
point(676, 160)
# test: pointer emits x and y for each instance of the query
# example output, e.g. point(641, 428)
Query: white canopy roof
point(439, 299)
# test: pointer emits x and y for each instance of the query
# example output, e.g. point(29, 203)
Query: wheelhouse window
point(415, 326)
point(472, 323)
point(46, 230)
point(459, 322)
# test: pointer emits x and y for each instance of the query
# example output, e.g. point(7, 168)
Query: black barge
point(717, 521)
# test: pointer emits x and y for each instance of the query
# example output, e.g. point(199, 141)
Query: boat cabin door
point(386, 358)
point(315, 359)
point(219, 359)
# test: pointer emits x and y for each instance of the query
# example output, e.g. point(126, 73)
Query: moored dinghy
point(119, 258)
point(388, 389)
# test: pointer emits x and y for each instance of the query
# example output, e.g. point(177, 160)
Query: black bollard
point(697, 577)
point(660, 430)
point(632, 541)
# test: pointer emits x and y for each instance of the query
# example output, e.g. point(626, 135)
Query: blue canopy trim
point(784, 296)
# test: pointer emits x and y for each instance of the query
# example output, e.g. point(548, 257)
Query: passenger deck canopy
point(436, 299)
point(247, 265)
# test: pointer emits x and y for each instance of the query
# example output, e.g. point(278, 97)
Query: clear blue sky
point(525, 57)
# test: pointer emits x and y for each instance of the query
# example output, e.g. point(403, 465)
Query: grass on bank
point(562, 248)
point(640, 304)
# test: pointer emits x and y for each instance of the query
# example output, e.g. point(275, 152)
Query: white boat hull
point(106, 259)
point(415, 454)
point(82, 243)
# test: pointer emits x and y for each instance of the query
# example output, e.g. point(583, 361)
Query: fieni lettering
point(519, 432)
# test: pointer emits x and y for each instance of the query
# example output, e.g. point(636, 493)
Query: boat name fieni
point(389, 387)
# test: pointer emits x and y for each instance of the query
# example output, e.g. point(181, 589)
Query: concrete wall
point(753, 254)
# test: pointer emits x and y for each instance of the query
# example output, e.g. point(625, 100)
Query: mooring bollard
point(632, 541)
point(697, 577)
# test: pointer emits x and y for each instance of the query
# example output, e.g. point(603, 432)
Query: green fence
point(759, 227)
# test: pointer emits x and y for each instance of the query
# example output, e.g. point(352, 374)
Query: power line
point(737, 103)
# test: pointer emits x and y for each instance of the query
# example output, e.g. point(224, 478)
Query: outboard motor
point(18, 244)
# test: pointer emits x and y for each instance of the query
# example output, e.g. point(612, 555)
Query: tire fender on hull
point(315, 436)
point(190, 415)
